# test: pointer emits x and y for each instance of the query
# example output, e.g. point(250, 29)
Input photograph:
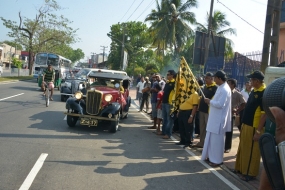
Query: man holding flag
point(186, 101)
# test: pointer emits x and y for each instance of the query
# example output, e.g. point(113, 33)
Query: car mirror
point(117, 85)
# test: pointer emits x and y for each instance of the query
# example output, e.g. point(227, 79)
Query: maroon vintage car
point(104, 97)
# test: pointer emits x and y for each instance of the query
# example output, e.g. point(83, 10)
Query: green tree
point(220, 27)
point(170, 24)
point(18, 63)
point(44, 32)
point(136, 40)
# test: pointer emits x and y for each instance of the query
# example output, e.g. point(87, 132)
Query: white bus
point(60, 64)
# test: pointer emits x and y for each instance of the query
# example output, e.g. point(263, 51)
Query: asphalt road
point(39, 151)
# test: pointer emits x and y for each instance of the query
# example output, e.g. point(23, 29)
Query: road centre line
point(198, 158)
point(11, 96)
point(33, 173)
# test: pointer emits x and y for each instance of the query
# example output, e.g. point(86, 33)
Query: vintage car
point(104, 97)
point(73, 83)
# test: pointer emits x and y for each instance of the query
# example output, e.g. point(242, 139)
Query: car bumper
point(92, 117)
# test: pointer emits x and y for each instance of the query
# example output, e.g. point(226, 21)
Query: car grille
point(93, 102)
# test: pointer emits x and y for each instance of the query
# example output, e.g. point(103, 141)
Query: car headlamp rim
point(108, 97)
point(78, 95)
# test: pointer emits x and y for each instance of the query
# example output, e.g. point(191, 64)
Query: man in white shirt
point(246, 91)
point(219, 121)
point(140, 86)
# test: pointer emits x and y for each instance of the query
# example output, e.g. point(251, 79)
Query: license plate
point(90, 122)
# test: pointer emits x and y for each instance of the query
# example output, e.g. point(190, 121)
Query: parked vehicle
point(104, 97)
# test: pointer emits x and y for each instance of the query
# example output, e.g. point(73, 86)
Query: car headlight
point(108, 97)
point(78, 95)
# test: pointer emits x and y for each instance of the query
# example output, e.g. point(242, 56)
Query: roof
point(109, 76)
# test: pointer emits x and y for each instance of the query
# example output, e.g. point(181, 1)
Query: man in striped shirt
point(48, 78)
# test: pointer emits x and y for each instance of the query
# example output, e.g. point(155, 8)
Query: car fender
point(65, 90)
point(114, 108)
point(73, 104)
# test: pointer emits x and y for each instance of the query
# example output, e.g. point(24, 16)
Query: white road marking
point(65, 117)
point(198, 158)
point(11, 97)
point(33, 173)
point(1, 83)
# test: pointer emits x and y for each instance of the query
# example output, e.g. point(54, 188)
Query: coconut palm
point(220, 27)
point(169, 24)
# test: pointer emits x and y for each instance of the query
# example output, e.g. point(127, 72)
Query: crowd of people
point(215, 106)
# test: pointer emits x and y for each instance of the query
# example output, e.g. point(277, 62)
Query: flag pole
point(194, 78)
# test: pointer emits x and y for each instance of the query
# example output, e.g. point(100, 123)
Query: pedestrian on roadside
point(140, 86)
point(146, 95)
point(167, 105)
point(197, 115)
point(137, 81)
point(154, 90)
point(186, 115)
point(245, 93)
point(209, 91)
point(219, 121)
point(253, 120)
point(238, 104)
point(159, 109)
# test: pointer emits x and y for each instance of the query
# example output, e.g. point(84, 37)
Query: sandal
point(152, 127)
point(214, 165)
point(246, 177)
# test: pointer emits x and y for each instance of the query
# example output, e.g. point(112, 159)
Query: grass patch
point(2, 79)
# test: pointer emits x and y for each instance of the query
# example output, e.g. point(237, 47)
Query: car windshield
point(82, 74)
point(103, 82)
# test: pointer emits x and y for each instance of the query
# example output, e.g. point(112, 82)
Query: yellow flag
point(185, 84)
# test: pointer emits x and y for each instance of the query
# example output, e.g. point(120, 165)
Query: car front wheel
point(115, 124)
point(71, 120)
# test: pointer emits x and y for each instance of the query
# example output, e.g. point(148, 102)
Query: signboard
point(216, 51)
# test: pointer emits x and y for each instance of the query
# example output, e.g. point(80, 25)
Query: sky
point(93, 18)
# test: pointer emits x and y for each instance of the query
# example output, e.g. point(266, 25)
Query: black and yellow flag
point(185, 84)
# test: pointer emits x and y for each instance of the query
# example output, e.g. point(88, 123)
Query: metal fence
point(238, 67)
point(14, 72)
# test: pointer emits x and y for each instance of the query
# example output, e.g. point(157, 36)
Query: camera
point(273, 155)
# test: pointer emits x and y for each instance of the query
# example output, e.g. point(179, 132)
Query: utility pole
point(271, 34)
point(103, 51)
point(92, 59)
point(209, 33)
point(123, 47)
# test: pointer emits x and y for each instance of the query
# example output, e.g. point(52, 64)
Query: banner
point(185, 84)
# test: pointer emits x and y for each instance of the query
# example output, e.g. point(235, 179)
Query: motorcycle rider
point(48, 78)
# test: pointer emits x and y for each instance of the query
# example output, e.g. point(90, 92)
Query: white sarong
point(214, 147)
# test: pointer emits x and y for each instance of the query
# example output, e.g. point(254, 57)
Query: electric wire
point(135, 10)
point(240, 17)
point(127, 10)
point(146, 9)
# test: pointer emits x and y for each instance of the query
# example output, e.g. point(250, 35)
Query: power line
point(146, 9)
point(127, 10)
point(240, 17)
point(135, 10)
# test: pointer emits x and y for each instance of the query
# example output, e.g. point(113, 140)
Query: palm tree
point(220, 27)
point(169, 24)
